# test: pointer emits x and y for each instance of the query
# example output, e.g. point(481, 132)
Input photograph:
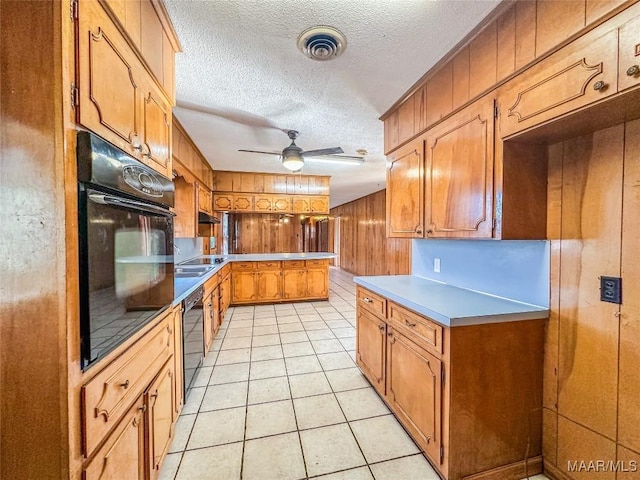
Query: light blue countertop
point(448, 305)
point(184, 286)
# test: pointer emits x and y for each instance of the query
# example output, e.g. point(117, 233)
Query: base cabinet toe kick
point(470, 396)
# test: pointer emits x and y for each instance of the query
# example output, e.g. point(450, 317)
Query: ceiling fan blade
point(258, 151)
point(322, 151)
point(343, 159)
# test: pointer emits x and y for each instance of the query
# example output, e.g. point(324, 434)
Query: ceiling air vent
point(322, 43)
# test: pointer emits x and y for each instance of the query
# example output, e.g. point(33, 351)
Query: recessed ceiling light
point(322, 43)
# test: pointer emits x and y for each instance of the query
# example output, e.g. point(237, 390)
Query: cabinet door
point(281, 204)
point(156, 131)
point(204, 200)
point(262, 203)
point(108, 81)
point(319, 204)
point(370, 348)
point(122, 456)
point(405, 191)
point(318, 283)
point(459, 174)
point(222, 202)
point(583, 72)
point(629, 55)
point(159, 401)
point(177, 362)
point(243, 203)
point(414, 391)
point(217, 317)
point(207, 310)
point(294, 284)
point(269, 286)
point(243, 287)
point(301, 204)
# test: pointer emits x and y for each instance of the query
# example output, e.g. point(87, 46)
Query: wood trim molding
point(553, 472)
point(531, 466)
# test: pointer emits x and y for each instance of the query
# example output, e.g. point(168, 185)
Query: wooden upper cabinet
point(151, 38)
point(440, 94)
point(506, 43)
point(629, 56)
point(406, 117)
point(483, 60)
point(405, 191)
point(262, 203)
point(242, 203)
point(223, 182)
point(391, 139)
point(414, 391)
point(319, 204)
point(580, 73)
point(204, 200)
point(459, 174)
point(598, 8)
point(156, 132)
point(109, 81)
point(420, 109)
point(281, 203)
point(300, 204)
point(460, 65)
point(557, 20)
point(525, 26)
point(223, 202)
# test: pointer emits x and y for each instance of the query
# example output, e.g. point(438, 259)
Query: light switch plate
point(436, 265)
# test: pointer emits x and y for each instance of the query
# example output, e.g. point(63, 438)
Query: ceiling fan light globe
point(292, 162)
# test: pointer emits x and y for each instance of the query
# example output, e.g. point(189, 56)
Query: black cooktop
point(204, 261)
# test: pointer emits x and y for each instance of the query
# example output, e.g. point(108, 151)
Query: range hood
point(206, 218)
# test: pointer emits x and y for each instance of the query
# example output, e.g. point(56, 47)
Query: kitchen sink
point(191, 270)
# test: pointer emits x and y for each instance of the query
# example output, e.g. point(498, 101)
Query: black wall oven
point(126, 245)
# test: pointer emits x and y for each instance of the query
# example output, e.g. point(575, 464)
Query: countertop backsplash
point(186, 248)
point(515, 269)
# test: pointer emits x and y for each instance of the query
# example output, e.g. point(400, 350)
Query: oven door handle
point(123, 202)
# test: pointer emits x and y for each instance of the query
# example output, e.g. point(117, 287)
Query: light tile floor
point(280, 398)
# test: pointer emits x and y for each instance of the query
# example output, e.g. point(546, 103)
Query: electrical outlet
point(436, 265)
point(611, 289)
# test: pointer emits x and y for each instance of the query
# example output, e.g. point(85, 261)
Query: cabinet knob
point(408, 323)
point(599, 85)
point(419, 230)
point(367, 300)
point(633, 70)
point(143, 408)
point(429, 232)
point(125, 385)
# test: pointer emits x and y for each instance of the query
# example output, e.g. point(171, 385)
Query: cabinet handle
point(381, 327)
point(429, 232)
point(125, 385)
point(600, 85)
point(633, 70)
point(169, 331)
point(154, 395)
point(408, 323)
point(367, 300)
point(143, 408)
point(418, 230)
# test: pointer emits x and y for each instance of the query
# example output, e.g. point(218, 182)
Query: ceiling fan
point(293, 157)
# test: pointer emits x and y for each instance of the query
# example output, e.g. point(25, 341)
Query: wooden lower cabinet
point(414, 391)
point(294, 284)
point(209, 319)
point(470, 396)
point(272, 282)
point(269, 285)
point(123, 455)
point(159, 400)
point(371, 347)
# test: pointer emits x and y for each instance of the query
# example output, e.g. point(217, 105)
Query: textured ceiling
point(240, 75)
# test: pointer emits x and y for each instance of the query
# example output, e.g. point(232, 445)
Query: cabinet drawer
point(243, 266)
point(583, 72)
point(419, 329)
point(109, 394)
point(318, 263)
point(268, 265)
point(293, 264)
point(212, 283)
point(372, 302)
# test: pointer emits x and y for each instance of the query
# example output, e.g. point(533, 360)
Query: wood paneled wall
point(264, 233)
point(592, 351)
point(364, 248)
